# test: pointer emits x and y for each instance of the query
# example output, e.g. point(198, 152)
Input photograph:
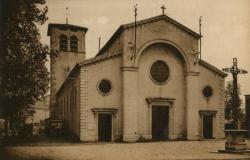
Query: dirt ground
point(122, 151)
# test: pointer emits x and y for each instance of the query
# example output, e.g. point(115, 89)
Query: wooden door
point(208, 126)
point(160, 122)
point(104, 127)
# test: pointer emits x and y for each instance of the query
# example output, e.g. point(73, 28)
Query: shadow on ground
point(4, 155)
point(33, 140)
point(41, 149)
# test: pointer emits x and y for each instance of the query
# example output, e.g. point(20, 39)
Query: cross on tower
point(163, 9)
point(235, 97)
point(67, 14)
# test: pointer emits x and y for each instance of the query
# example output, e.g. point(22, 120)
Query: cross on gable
point(135, 9)
point(163, 9)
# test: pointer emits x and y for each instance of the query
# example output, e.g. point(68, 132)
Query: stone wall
point(68, 104)
point(63, 63)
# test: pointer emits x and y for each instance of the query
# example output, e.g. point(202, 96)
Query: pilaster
point(129, 104)
point(221, 124)
point(83, 105)
point(192, 108)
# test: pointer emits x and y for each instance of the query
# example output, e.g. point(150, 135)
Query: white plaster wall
point(174, 88)
point(108, 69)
point(160, 30)
point(167, 32)
point(216, 102)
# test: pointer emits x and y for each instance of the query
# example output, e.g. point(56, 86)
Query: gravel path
point(126, 151)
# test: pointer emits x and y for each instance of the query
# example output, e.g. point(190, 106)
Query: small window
point(63, 43)
point(73, 44)
point(104, 87)
point(207, 92)
point(159, 72)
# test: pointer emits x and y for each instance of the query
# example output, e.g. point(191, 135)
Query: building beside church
point(156, 89)
point(41, 108)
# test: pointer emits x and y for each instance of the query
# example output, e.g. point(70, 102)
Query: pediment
point(168, 24)
point(166, 19)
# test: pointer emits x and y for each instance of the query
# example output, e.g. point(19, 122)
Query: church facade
point(152, 89)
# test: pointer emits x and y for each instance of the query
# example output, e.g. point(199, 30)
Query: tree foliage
point(24, 76)
point(229, 108)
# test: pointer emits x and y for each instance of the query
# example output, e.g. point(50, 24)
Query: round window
point(104, 86)
point(207, 92)
point(159, 72)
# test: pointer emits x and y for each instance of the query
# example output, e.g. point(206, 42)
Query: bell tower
point(69, 41)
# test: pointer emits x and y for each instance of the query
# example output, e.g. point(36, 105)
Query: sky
point(225, 25)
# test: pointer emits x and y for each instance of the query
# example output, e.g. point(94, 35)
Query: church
point(145, 83)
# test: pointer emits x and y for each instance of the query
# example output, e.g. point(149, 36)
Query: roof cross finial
point(200, 19)
point(163, 9)
point(67, 14)
point(134, 52)
point(135, 10)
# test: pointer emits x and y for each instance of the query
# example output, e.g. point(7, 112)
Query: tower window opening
point(63, 43)
point(73, 44)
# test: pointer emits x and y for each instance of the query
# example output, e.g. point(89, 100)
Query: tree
point(24, 76)
point(229, 108)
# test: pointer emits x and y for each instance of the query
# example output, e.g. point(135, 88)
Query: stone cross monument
point(235, 99)
point(235, 137)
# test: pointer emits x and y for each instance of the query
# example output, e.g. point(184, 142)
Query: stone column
point(129, 104)
point(192, 108)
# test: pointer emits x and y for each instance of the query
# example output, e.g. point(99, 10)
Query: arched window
point(73, 44)
point(63, 43)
